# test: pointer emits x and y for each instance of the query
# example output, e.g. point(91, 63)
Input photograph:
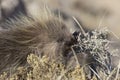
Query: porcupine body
point(45, 35)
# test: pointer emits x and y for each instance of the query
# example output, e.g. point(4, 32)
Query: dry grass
point(43, 69)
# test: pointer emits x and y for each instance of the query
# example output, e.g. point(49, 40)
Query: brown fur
point(45, 36)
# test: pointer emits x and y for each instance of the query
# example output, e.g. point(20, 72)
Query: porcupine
point(44, 35)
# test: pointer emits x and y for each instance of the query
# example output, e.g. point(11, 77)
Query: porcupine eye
point(71, 42)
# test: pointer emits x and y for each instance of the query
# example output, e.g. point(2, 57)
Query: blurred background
point(90, 13)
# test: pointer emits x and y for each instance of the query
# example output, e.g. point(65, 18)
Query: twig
point(75, 55)
point(83, 31)
point(95, 73)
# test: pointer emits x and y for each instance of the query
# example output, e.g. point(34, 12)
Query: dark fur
point(48, 37)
